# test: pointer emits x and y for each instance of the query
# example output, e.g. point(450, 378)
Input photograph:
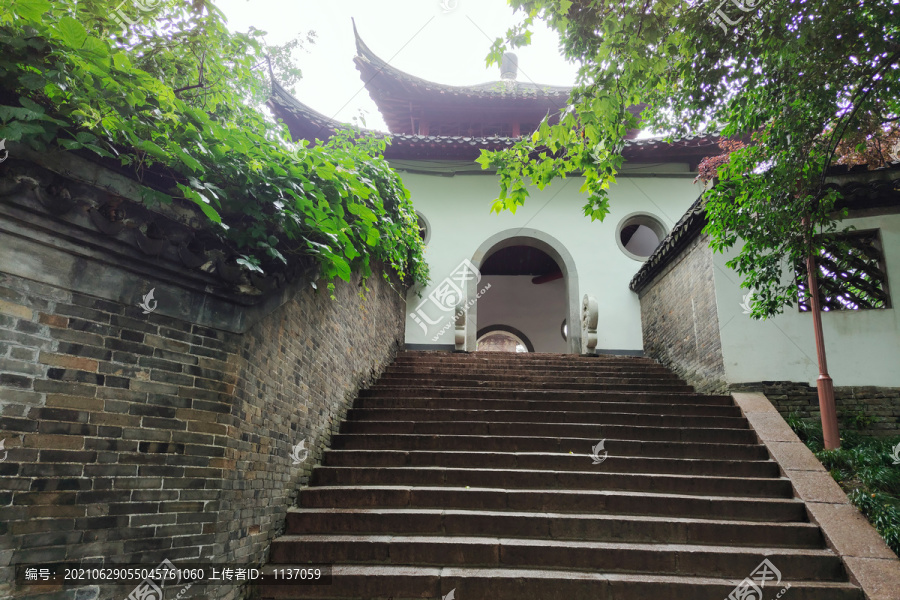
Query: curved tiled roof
point(372, 65)
point(307, 123)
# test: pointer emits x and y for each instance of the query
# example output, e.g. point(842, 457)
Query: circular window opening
point(639, 235)
point(424, 228)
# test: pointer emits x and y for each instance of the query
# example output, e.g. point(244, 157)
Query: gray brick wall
point(679, 318)
point(142, 437)
point(877, 407)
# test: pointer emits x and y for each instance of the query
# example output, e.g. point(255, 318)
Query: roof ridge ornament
point(509, 67)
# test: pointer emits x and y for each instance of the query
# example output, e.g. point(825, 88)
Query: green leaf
point(72, 32)
point(189, 161)
point(33, 81)
point(250, 263)
point(31, 105)
point(152, 149)
point(342, 268)
point(95, 48)
point(208, 210)
point(31, 9)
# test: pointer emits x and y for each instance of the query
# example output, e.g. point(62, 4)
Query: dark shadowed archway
point(556, 250)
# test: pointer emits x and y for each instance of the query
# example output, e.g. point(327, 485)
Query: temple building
point(655, 287)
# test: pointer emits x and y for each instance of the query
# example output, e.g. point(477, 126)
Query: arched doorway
point(502, 338)
point(566, 278)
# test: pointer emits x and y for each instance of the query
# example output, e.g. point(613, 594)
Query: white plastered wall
point(457, 210)
point(862, 347)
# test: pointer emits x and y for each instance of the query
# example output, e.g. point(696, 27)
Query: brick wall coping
point(53, 233)
point(861, 189)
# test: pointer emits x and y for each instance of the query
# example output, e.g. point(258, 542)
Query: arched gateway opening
point(534, 286)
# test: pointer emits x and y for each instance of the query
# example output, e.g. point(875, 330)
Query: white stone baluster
point(590, 315)
point(460, 328)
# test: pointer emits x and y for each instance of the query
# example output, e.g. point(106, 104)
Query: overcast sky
point(445, 41)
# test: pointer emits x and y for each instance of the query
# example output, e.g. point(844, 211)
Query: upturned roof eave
point(378, 74)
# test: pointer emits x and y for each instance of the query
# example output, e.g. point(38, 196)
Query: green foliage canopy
point(792, 78)
point(163, 87)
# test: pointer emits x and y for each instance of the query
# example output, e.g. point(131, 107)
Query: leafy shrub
point(175, 95)
point(863, 467)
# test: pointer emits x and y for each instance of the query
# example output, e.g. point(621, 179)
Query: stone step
point(501, 429)
point(473, 473)
point(549, 461)
point(530, 381)
point(462, 383)
point(527, 382)
point(777, 510)
point(532, 375)
point(559, 445)
point(538, 366)
point(547, 406)
point(515, 553)
point(553, 526)
point(624, 417)
point(696, 485)
point(403, 582)
point(641, 395)
point(559, 370)
point(529, 358)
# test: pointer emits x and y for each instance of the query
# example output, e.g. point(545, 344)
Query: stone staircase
point(473, 474)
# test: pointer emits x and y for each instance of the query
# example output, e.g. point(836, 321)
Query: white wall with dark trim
point(862, 346)
point(457, 209)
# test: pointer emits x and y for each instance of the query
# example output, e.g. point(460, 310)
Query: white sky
point(445, 41)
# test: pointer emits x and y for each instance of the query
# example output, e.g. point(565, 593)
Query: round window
point(424, 228)
point(639, 234)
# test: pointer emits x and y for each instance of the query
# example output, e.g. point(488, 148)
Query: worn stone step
point(563, 445)
point(623, 417)
point(596, 479)
point(457, 382)
point(549, 461)
point(568, 501)
point(550, 367)
point(406, 583)
point(630, 432)
point(547, 406)
point(553, 526)
point(474, 472)
point(558, 370)
point(637, 395)
point(529, 358)
point(495, 552)
point(529, 377)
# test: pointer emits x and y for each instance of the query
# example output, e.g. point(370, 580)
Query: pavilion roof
point(400, 96)
point(307, 123)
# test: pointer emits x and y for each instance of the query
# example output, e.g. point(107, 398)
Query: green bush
point(177, 95)
point(863, 467)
